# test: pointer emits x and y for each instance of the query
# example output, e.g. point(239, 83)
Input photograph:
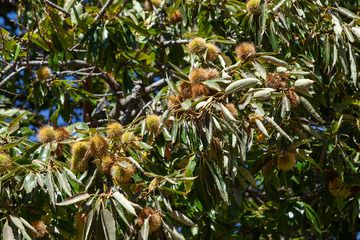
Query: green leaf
point(68, 4)
point(247, 175)
point(50, 186)
point(144, 231)
point(278, 128)
point(144, 145)
point(26, 224)
point(346, 12)
point(181, 218)
point(7, 232)
point(312, 217)
point(260, 69)
point(121, 213)
point(72, 176)
point(311, 109)
point(227, 113)
point(166, 134)
point(55, 115)
point(219, 182)
point(91, 180)
point(12, 145)
point(353, 67)
point(213, 84)
point(186, 105)
point(17, 222)
point(261, 127)
point(241, 84)
point(174, 132)
point(89, 220)
point(74, 199)
point(285, 106)
point(124, 202)
point(189, 173)
point(263, 94)
point(17, 51)
point(356, 31)
point(108, 223)
point(64, 184)
point(303, 83)
point(30, 182)
point(174, 234)
point(273, 60)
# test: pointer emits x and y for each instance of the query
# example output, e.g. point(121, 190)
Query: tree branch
point(102, 10)
point(11, 75)
point(53, 5)
point(173, 42)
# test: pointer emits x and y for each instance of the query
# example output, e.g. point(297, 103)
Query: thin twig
point(232, 67)
point(11, 75)
point(155, 85)
point(103, 9)
point(143, 109)
point(173, 42)
point(51, 4)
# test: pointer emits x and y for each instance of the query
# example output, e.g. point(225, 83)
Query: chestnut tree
point(179, 119)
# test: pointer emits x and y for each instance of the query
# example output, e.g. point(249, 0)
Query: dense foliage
point(184, 119)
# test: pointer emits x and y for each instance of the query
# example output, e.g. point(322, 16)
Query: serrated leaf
point(17, 222)
point(26, 224)
point(261, 127)
point(247, 175)
point(347, 13)
point(74, 199)
point(241, 84)
point(89, 220)
point(68, 4)
point(353, 67)
point(121, 213)
point(7, 232)
point(30, 182)
point(227, 113)
point(263, 94)
point(274, 61)
point(186, 105)
point(108, 224)
point(50, 186)
point(91, 181)
point(64, 184)
point(348, 34)
point(219, 182)
point(72, 176)
point(12, 145)
point(303, 83)
point(136, 164)
point(311, 109)
point(312, 217)
point(181, 218)
point(285, 106)
point(174, 234)
point(124, 202)
point(260, 69)
point(264, 17)
point(144, 231)
point(17, 52)
point(356, 31)
point(278, 128)
point(14, 124)
point(145, 146)
point(298, 72)
point(213, 84)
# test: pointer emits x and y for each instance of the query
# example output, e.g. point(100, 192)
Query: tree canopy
point(179, 119)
